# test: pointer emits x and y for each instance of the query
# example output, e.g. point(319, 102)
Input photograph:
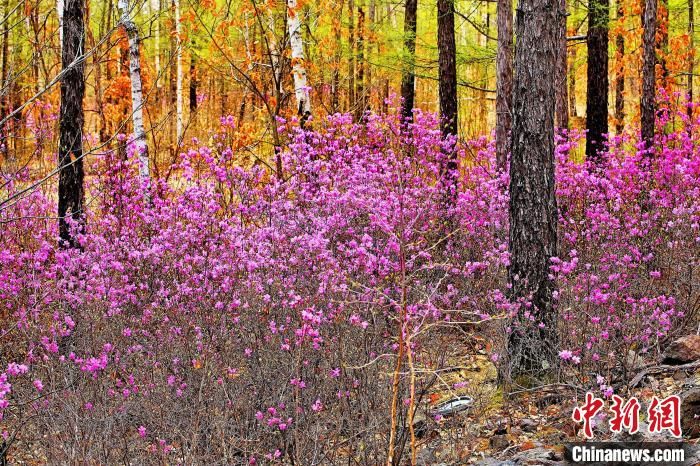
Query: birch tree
point(139, 138)
point(179, 73)
point(301, 87)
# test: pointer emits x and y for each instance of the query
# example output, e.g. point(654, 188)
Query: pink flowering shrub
point(630, 243)
point(242, 318)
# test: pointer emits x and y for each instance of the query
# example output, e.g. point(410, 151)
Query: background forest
point(353, 232)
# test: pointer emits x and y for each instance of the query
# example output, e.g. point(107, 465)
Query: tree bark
point(351, 60)
point(193, 79)
point(662, 53)
point(369, 50)
point(156, 8)
point(691, 57)
point(447, 68)
point(561, 108)
point(620, 75)
point(408, 78)
point(648, 103)
point(597, 83)
point(504, 81)
point(573, 111)
point(335, 86)
point(533, 206)
point(140, 143)
point(70, 149)
point(5, 85)
point(360, 81)
point(60, 7)
point(179, 103)
point(301, 86)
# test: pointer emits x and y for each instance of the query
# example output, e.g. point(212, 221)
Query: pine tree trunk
point(408, 78)
point(447, 69)
point(301, 86)
point(351, 61)
point(573, 111)
point(335, 86)
point(561, 111)
point(691, 57)
point(193, 80)
point(620, 75)
point(360, 82)
point(597, 78)
point(369, 50)
point(4, 82)
point(504, 81)
point(648, 103)
point(662, 45)
point(70, 149)
point(99, 91)
point(140, 142)
point(533, 206)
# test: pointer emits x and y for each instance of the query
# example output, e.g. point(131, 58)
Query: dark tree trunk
point(335, 86)
point(561, 104)
point(504, 81)
point(408, 78)
point(360, 82)
point(4, 84)
point(691, 58)
point(533, 206)
point(447, 69)
point(369, 50)
point(70, 149)
point(662, 29)
point(648, 104)
point(597, 84)
point(193, 81)
point(572, 85)
point(620, 76)
point(351, 61)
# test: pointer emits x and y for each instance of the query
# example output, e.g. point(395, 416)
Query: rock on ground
point(690, 413)
point(683, 350)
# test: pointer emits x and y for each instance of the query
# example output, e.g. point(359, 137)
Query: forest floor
point(533, 427)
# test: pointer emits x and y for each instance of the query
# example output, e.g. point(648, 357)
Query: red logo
point(586, 413)
point(665, 415)
point(662, 414)
point(625, 415)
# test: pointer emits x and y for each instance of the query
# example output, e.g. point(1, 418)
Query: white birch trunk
point(155, 8)
point(139, 139)
point(178, 58)
point(59, 12)
point(301, 88)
